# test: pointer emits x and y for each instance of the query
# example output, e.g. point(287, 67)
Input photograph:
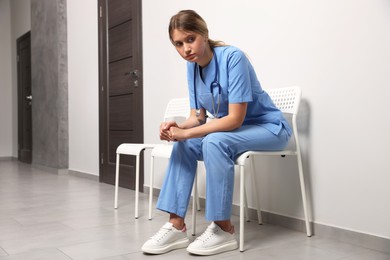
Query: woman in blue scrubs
point(222, 84)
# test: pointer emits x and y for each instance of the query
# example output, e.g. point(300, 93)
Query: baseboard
point(83, 175)
point(7, 158)
point(66, 171)
point(50, 169)
point(357, 238)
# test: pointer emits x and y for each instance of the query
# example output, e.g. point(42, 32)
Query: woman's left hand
point(178, 134)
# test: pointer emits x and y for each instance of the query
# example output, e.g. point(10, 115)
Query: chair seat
point(133, 149)
point(162, 150)
point(241, 159)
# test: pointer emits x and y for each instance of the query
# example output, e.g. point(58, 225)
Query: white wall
point(5, 80)
point(83, 86)
point(338, 52)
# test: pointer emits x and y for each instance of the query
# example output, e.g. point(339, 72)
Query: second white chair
point(178, 107)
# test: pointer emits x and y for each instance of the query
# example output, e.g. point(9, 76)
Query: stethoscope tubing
point(213, 84)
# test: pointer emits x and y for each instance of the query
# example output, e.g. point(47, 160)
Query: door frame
point(103, 83)
point(23, 154)
point(103, 53)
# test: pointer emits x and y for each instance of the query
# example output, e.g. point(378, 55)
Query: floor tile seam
point(28, 237)
point(51, 249)
point(58, 247)
point(3, 250)
point(370, 251)
point(60, 219)
point(332, 240)
point(46, 237)
point(329, 251)
point(362, 250)
point(29, 251)
point(62, 252)
point(276, 246)
point(34, 225)
point(95, 241)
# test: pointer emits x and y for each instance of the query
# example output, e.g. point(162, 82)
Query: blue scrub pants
point(218, 151)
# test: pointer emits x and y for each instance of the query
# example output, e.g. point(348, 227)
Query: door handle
point(134, 74)
point(29, 97)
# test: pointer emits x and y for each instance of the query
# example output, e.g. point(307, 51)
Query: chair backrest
point(286, 99)
point(177, 108)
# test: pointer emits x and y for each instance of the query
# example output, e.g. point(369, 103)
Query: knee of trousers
point(190, 146)
point(215, 143)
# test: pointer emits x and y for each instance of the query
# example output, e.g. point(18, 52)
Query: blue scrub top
point(239, 84)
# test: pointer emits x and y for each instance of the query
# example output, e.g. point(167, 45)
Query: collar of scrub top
point(213, 84)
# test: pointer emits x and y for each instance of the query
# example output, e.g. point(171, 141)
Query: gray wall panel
point(49, 83)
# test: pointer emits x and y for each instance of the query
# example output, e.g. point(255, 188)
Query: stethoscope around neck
point(213, 84)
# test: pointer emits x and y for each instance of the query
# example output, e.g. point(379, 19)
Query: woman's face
point(192, 47)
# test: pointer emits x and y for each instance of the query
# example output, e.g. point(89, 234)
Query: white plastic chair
point(178, 107)
point(287, 100)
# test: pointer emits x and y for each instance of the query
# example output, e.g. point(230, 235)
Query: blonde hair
point(190, 21)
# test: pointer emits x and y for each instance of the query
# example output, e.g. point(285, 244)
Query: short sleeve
point(239, 88)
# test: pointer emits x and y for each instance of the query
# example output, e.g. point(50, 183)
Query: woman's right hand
point(165, 134)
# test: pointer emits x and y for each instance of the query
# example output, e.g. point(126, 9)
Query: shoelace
point(161, 233)
point(207, 234)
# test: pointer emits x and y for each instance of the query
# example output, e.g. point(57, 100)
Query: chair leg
point(257, 199)
point(151, 186)
point(242, 222)
point(194, 203)
point(197, 193)
point(116, 180)
point(136, 185)
point(197, 200)
point(246, 204)
point(304, 197)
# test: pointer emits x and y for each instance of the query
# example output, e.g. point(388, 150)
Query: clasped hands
point(170, 131)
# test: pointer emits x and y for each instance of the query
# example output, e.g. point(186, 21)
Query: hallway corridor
point(49, 216)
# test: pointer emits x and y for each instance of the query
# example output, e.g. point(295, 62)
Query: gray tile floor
point(49, 216)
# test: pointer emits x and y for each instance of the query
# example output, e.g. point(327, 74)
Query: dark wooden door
point(23, 45)
point(121, 93)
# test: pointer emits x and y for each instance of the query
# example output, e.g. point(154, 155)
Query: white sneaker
point(166, 239)
point(213, 241)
